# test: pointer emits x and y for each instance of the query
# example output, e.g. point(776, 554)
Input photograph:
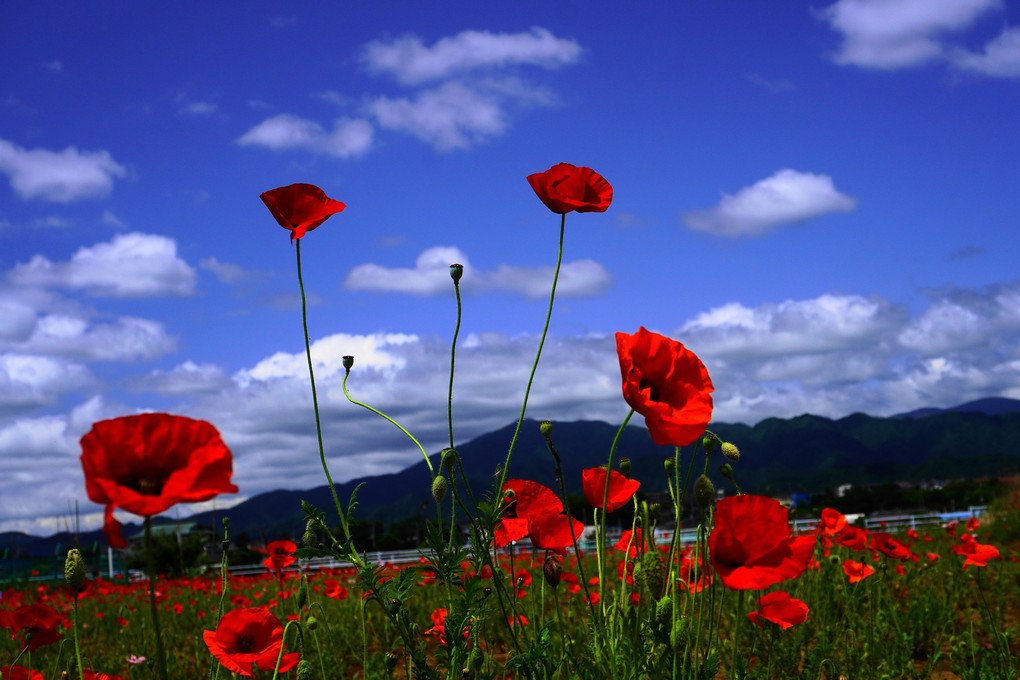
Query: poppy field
point(507, 585)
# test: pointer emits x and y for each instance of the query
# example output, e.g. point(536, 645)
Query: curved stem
point(315, 398)
point(538, 355)
point(391, 421)
point(605, 503)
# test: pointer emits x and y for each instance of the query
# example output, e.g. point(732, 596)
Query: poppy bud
point(312, 623)
point(74, 570)
point(302, 592)
point(664, 610)
point(348, 362)
point(439, 488)
point(552, 570)
point(670, 465)
point(456, 271)
point(681, 633)
point(226, 522)
point(704, 491)
point(731, 452)
point(546, 428)
point(727, 471)
point(709, 441)
point(305, 671)
point(393, 606)
point(653, 510)
point(625, 467)
point(449, 458)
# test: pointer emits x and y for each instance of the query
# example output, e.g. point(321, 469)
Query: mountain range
point(778, 456)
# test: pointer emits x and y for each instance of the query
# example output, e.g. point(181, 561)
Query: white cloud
point(891, 34)
point(1000, 57)
point(410, 61)
point(452, 116)
point(31, 381)
point(775, 86)
point(431, 276)
point(109, 218)
point(131, 265)
point(786, 197)
point(225, 272)
point(349, 138)
point(184, 379)
point(59, 176)
point(126, 339)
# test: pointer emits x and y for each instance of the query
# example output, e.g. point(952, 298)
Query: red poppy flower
point(554, 532)
point(248, 636)
point(621, 489)
point(334, 590)
point(832, 521)
point(280, 555)
point(38, 622)
point(149, 462)
point(300, 207)
point(667, 384)
point(857, 571)
point(19, 673)
point(781, 609)
point(889, 546)
point(528, 498)
point(632, 538)
point(852, 537)
point(567, 188)
point(751, 546)
point(977, 554)
point(92, 675)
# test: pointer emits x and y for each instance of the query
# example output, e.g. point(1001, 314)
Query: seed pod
point(731, 452)
point(704, 491)
point(439, 488)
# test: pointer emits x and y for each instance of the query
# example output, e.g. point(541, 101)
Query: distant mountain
point(991, 406)
point(778, 456)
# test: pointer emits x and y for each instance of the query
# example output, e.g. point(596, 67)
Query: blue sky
point(818, 199)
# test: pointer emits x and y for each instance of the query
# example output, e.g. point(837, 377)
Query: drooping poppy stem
point(315, 398)
point(538, 355)
point(150, 554)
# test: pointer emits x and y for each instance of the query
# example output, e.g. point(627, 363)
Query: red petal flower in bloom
point(92, 675)
point(39, 622)
point(667, 384)
point(509, 530)
point(147, 463)
point(19, 673)
point(889, 546)
point(781, 609)
point(554, 532)
point(634, 538)
point(833, 521)
point(529, 498)
point(300, 207)
point(248, 636)
point(621, 489)
point(751, 546)
point(856, 571)
point(280, 555)
point(852, 537)
point(565, 188)
point(977, 554)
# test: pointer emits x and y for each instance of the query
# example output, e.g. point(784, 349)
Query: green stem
point(315, 398)
point(605, 503)
point(453, 360)
point(153, 609)
point(77, 647)
point(538, 355)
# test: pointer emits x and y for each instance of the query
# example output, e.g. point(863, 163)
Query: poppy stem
point(77, 646)
point(538, 355)
point(150, 554)
point(605, 509)
point(453, 360)
point(315, 398)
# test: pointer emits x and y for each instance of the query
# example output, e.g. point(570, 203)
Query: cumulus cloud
point(349, 137)
point(131, 265)
point(431, 276)
point(28, 381)
point(184, 379)
point(1000, 58)
point(452, 116)
point(410, 61)
point(225, 272)
point(59, 176)
point(784, 198)
point(891, 34)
